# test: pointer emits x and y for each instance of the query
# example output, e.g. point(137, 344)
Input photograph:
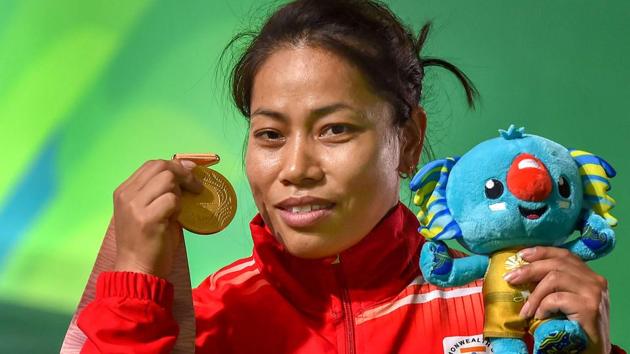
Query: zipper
point(348, 316)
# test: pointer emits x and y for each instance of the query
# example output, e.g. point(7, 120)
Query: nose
point(300, 163)
point(528, 178)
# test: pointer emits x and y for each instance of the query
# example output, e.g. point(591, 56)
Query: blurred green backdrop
point(91, 89)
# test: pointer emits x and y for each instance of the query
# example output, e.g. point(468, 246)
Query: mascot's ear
point(436, 221)
point(596, 174)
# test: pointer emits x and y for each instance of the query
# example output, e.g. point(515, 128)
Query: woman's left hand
point(566, 285)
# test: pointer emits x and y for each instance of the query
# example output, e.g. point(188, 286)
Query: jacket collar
point(377, 267)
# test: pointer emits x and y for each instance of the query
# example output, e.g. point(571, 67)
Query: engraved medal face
point(211, 210)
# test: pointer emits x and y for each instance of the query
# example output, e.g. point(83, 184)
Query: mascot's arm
point(439, 268)
point(597, 239)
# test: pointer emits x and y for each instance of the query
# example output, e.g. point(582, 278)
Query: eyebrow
point(316, 113)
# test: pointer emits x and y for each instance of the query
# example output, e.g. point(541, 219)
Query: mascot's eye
point(563, 187)
point(494, 188)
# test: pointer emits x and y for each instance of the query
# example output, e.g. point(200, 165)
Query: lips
point(302, 212)
point(300, 202)
point(532, 214)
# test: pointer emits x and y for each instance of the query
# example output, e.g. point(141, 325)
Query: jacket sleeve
point(617, 350)
point(131, 313)
point(210, 319)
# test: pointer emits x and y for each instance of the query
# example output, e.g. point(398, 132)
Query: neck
point(381, 264)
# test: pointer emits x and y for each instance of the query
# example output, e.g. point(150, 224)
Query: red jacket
point(370, 299)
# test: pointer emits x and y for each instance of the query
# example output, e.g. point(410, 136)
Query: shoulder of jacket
point(240, 275)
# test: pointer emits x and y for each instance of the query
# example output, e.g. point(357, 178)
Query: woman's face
point(318, 131)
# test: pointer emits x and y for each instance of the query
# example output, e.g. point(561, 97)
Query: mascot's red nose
point(528, 178)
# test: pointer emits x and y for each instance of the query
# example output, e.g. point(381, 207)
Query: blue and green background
point(89, 90)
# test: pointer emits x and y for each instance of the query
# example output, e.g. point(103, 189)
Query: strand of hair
point(471, 91)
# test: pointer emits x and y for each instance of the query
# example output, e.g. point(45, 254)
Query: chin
point(316, 241)
point(307, 246)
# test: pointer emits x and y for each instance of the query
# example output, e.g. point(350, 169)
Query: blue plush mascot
point(508, 193)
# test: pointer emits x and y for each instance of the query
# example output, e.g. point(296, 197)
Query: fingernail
point(526, 253)
point(188, 164)
point(510, 275)
point(525, 311)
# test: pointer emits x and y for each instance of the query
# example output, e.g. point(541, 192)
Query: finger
point(187, 179)
point(163, 182)
point(576, 308)
point(163, 207)
point(184, 176)
point(555, 281)
point(143, 174)
point(536, 271)
point(132, 181)
point(537, 253)
point(566, 303)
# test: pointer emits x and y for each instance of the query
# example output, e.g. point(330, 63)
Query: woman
point(331, 90)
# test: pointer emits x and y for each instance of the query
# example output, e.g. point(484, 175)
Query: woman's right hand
point(146, 206)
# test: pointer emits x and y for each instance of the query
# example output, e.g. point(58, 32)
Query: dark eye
point(336, 129)
point(269, 135)
point(494, 188)
point(564, 188)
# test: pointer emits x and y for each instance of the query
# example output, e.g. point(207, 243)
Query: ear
point(436, 221)
point(412, 139)
point(596, 174)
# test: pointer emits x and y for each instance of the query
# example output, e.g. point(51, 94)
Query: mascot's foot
point(559, 336)
point(508, 346)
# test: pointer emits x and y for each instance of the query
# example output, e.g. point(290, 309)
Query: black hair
point(365, 32)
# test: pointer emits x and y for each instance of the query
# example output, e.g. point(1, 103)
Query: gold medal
point(213, 209)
